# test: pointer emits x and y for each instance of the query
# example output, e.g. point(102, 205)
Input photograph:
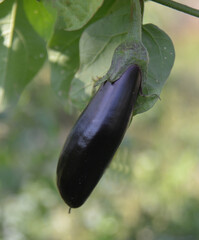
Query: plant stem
point(179, 6)
point(135, 34)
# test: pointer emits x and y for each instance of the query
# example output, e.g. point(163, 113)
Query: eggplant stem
point(135, 34)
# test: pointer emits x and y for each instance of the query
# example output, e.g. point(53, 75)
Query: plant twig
point(179, 6)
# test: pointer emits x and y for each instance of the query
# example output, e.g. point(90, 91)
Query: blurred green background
point(151, 189)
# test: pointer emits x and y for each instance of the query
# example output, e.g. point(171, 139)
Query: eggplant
point(96, 136)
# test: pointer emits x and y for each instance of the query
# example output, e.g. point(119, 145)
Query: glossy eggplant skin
point(96, 136)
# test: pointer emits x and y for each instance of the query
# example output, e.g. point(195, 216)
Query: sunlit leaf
point(22, 52)
point(97, 45)
point(64, 59)
point(64, 54)
point(41, 17)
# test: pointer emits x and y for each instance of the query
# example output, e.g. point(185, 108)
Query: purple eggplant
point(96, 136)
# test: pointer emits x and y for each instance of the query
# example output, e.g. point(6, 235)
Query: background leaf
point(64, 54)
point(23, 52)
point(41, 17)
point(74, 14)
point(64, 59)
point(97, 45)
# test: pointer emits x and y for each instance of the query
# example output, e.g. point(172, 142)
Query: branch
point(179, 6)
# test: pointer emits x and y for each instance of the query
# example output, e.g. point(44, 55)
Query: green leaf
point(162, 55)
point(41, 17)
point(118, 4)
point(64, 59)
point(97, 45)
point(74, 14)
point(22, 52)
point(64, 54)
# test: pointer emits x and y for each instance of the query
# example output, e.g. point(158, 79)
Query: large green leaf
point(74, 14)
point(64, 54)
point(41, 17)
point(22, 51)
point(64, 59)
point(97, 45)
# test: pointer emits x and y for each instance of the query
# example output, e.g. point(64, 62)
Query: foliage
point(23, 52)
point(80, 38)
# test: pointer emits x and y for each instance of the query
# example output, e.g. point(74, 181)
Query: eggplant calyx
point(127, 54)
